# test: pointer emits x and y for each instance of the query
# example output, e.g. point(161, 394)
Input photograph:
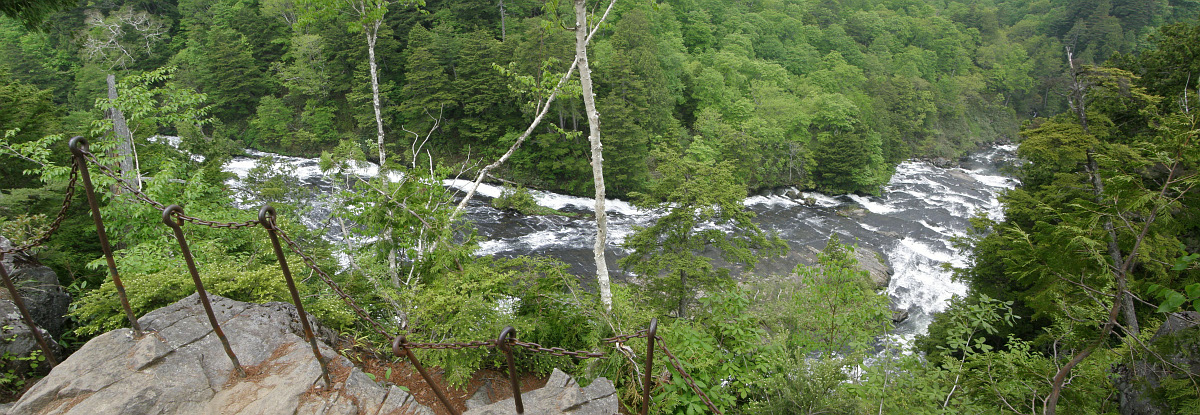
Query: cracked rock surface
point(180, 367)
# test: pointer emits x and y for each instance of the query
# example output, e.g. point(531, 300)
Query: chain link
point(622, 338)
point(139, 195)
point(478, 344)
point(558, 351)
point(62, 214)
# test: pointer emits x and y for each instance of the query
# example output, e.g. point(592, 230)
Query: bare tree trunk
point(1079, 105)
point(1114, 251)
point(503, 25)
point(373, 35)
point(589, 105)
point(127, 161)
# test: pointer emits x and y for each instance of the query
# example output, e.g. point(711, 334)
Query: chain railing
point(173, 216)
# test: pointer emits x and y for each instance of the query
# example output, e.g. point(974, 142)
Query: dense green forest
point(699, 102)
point(827, 95)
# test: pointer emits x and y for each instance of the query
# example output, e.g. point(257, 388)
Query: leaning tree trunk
point(126, 157)
point(589, 104)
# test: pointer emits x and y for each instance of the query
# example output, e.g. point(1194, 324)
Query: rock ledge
point(180, 367)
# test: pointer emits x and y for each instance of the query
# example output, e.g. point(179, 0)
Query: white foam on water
point(920, 282)
point(538, 241)
point(939, 229)
point(465, 185)
point(240, 166)
point(873, 206)
point(559, 201)
point(772, 201)
point(926, 251)
point(490, 247)
point(928, 287)
point(171, 140)
point(992, 180)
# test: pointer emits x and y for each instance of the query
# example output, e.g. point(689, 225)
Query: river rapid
point(911, 223)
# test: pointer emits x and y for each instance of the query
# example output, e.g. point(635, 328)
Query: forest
point(699, 103)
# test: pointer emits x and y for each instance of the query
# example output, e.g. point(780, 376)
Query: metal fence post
point(266, 218)
point(400, 344)
point(509, 333)
point(649, 365)
point(177, 225)
point(78, 145)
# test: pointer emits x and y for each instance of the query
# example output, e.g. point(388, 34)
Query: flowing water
point(911, 223)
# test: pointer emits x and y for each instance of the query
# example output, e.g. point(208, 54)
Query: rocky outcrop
point(16, 339)
point(179, 366)
point(46, 300)
point(560, 396)
point(874, 264)
point(1139, 384)
point(7, 260)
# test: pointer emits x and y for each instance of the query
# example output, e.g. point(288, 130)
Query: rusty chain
point(534, 347)
point(686, 377)
point(622, 338)
point(62, 214)
point(558, 351)
point(478, 344)
point(157, 205)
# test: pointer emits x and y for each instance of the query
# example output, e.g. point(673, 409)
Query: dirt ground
point(405, 375)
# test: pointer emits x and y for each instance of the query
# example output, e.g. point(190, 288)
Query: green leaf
point(1193, 290)
point(1172, 302)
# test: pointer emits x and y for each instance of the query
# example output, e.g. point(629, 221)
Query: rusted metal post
point(509, 333)
point(78, 145)
point(16, 299)
point(399, 345)
point(649, 365)
point(266, 218)
point(176, 224)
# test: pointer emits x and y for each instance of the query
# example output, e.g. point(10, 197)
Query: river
point(911, 222)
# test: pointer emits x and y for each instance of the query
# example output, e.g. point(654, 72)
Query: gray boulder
point(47, 304)
point(561, 395)
point(7, 261)
point(16, 339)
point(46, 300)
point(180, 367)
point(789, 192)
point(872, 262)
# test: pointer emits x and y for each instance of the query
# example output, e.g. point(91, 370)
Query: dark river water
point(911, 223)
